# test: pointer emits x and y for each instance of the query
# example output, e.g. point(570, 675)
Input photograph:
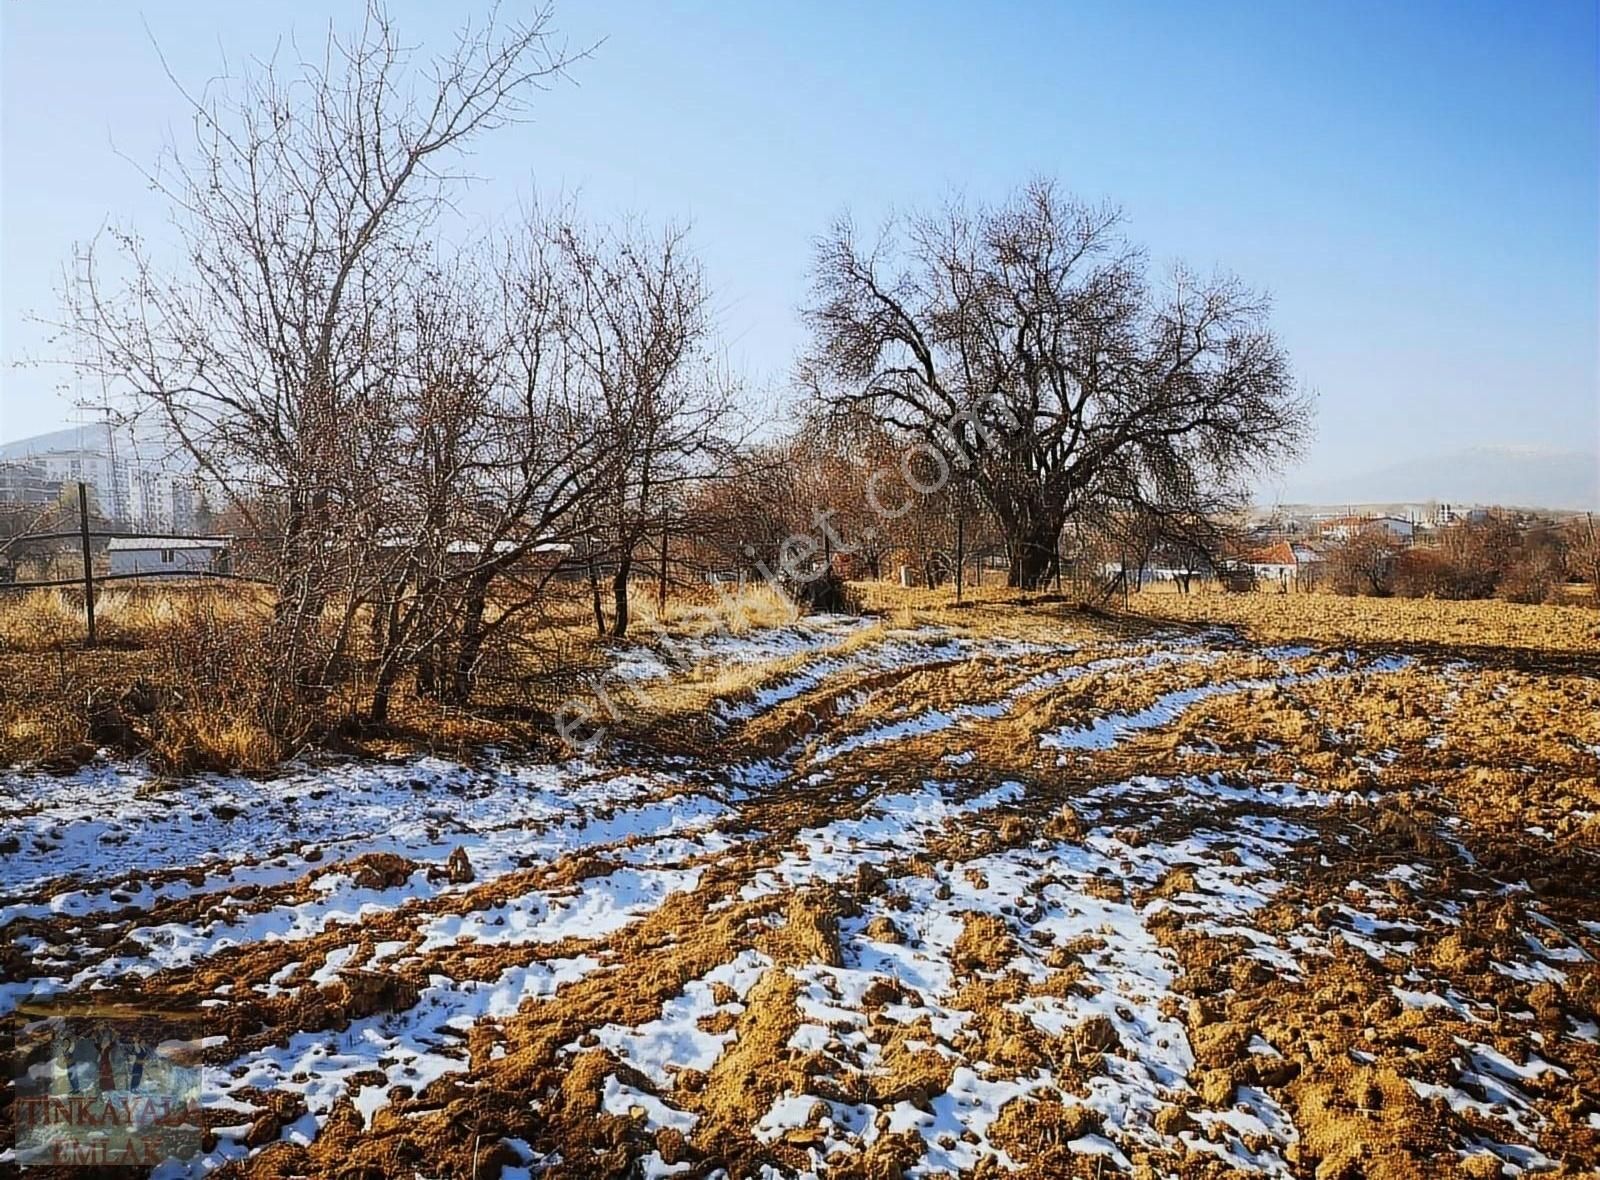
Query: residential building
point(167, 555)
point(1342, 528)
point(23, 481)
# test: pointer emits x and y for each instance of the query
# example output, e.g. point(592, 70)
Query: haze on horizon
point(1416, 186)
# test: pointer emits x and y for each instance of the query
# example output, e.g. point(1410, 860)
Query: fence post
point(88, 559)
point(961, 546)
point(661, 603)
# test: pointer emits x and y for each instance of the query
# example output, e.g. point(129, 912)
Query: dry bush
point(1482, 559)
point(1423, 573)
point(204, 739)
point(1365, 564)
point(178, 675)
point(1532, 578)
point(41, 731)
point(829, 593)
point(217, 709)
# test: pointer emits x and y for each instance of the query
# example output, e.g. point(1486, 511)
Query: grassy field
point(189, 656)
point(1220, 885)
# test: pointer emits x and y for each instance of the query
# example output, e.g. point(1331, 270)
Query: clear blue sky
point(1415, 184)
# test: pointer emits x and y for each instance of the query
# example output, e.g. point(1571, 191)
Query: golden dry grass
point(200, 647)
point(729, 610)
point(181, 637)
point(53, 619)
point(1330, 618)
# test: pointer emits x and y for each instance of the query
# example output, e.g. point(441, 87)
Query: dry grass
point(1329, 618)
point(53, 620)
point(203, 740)
point(199, 647)
point(703, 610)
point(39, 620)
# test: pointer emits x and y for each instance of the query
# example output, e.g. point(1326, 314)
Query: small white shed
point(166, 555)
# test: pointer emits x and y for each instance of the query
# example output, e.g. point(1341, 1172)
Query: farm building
point(1286, 565)
point(1162, 567)
point(1396, 528)
point(1274, 565)
point(1311, 564)
point(167, 555)
point(1342, 528)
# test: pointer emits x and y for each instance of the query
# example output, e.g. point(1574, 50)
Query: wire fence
point(213, 547)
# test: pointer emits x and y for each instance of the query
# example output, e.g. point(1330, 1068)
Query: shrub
point(1365, 564)
point(827, 593)
point(1533, 577)
point(1482, 559)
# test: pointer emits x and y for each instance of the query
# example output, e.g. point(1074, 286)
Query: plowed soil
point(1014, 891)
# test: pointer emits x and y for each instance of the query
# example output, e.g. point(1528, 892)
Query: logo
point(104, 1085)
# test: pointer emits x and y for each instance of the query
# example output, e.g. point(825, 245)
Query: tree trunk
point(388, 631)
point(1594, 557)
point(961, 547)
point(594, 591)
point(382, 689)
point(619, 593)
point(1033, 556)
point(472, 637)
point(661, 589)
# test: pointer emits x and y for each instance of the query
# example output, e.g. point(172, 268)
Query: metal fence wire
point(88, 578)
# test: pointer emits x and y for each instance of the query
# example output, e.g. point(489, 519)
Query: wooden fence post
point(88, 560)
point(661, 602)
point(961, 545)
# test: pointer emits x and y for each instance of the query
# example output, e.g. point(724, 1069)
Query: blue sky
point(1415, 184)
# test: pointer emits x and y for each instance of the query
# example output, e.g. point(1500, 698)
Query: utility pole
point(88, 559)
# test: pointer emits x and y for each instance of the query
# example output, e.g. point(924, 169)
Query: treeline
point(421, 428)
point(1489, 558)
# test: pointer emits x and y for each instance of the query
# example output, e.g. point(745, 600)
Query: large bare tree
point(1023, 341)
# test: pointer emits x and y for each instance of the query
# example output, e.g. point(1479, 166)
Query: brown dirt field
point(1233, 885)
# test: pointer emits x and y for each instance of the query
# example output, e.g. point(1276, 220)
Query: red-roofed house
point(1274, 565)
point(1286, 565)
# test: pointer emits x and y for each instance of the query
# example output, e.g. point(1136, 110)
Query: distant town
point(136, 480)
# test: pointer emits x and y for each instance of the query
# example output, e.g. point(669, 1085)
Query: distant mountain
point(143, 446)
point(72, 438)
point(1511, 476)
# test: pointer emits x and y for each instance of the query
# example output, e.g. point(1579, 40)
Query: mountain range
point(1509, 476)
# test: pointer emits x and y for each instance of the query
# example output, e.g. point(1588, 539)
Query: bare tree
point(302, 207)
point(1583, 552)
point(636, 325)
point(1184, 538)
point(857, 460)
point(1364, 564)
point(1023, 342)
point(498, 446)
point(761, 498)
